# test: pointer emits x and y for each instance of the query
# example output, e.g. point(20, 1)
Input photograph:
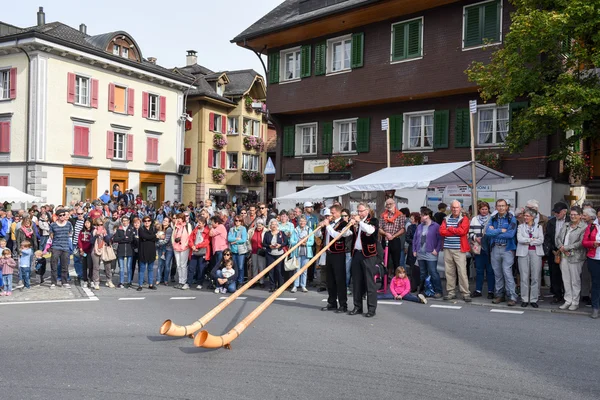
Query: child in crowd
point(226, 277)
point(40, 265)
point(7, 265)
point(400, 288)
point(25, 262)
point(44, 230)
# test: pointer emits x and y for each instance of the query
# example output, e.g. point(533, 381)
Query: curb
point(502, 306)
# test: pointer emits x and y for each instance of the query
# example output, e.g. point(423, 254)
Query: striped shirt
point(452, 242)
point(62, 235)
point(76, 229)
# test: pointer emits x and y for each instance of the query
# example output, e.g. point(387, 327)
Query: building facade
point(225, 139)
point(337, 69)
point(86, 113)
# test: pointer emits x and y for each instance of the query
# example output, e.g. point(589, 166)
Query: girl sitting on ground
point(400, 288)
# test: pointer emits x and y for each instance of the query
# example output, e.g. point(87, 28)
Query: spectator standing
point(392, 229)
point(591, 241)
point(84, 249)
point(77, 223)
point(218, 235)
point(530, 240)
point(238, 239)
point(147, 253)
point(182, 250)
point(258, 252)
point(61, 232)
point(441, 214)
point(199, 243)
point(273, 242)
point(553, 228)
point(483, 263)
point(304, 252)
point(165, 252)
point(124, 238)
point(427, 244)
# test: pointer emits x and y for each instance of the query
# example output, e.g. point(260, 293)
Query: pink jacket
point(219, 240)
point(7, 265)
point(180, 231)
point(400, 287)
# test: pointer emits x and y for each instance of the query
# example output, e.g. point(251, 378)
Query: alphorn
point(168, 328)
point(205, 339)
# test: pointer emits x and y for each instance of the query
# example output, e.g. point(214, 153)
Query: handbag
point(199, 252)
point(556, 257)
point(475, 247)
point(108, 254)
point(291, 264)
point(261, 252)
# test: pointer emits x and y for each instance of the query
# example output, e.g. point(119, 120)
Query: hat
point(558, 207)
point(308, 204)
point(533, 204)
point(326, 212)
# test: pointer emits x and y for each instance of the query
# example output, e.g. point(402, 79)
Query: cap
point(558, 207)
point(308, 204)
point(326, 212)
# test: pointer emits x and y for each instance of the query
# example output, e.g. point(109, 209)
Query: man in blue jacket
point(501, 232)
point(4, 225)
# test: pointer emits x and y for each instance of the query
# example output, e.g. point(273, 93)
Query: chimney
point(83, 29)
point(152, 60)
point(191, 58)
point(41, 17)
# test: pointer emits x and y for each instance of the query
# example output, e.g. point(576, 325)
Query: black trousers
point(393, 260)
point(335, 269)
point(557, 287)
point(276, 274)
point(86, 264)
point(363, 278)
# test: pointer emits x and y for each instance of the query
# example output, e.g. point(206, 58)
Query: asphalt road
point(111, 349)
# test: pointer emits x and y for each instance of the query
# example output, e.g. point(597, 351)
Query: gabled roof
point(287, 14)
point(240, 81)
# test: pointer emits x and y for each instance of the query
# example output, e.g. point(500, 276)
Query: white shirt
point(332, 233)
point(363, 226)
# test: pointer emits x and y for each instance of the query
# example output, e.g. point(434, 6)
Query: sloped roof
point(195, 69)
point(239, 81)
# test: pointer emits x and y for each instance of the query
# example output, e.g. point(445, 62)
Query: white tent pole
point(473, 110)
point(387, 141)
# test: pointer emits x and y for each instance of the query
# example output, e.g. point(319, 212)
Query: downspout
point(27, 115)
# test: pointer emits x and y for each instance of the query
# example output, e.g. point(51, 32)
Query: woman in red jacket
point(85, 246)
point(199, 242)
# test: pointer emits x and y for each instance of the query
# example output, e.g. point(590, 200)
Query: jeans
point(402, 257)
point(26, 273)
point(502, 262)
point(484, 266)
point(217, 257)
point(594, 267)
point(229, 285)
point(197, 265)
point(78, 265)
point(142, 271)
point(122, 269)
point(301, 280)
point(238, 261)
point(7, 280)
point(181, 258)
point(348, 269)
point(164, 266)
point(407, 297)
point(430, 268)
point(43, 241)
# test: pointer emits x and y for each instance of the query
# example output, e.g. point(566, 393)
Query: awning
point(423, 176)
point(14, 195)
point(314, 193)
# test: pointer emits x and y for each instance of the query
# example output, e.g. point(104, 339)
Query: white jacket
point(524, 241)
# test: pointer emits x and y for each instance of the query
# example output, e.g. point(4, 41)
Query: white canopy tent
point(315, 193)
point(14, 195)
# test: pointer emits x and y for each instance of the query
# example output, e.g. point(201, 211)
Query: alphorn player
point(335, 261)
point(365, 255)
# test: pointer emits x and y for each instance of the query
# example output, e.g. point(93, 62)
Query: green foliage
point(408, 159)
point(549, 57)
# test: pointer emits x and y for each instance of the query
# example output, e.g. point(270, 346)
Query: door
point(596, 158)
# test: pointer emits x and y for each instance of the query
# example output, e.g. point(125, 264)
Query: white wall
point(54, 188)
point(16, 107)
point(103, 181)
point(134, 182)
point(16, 176)
point(171, 183)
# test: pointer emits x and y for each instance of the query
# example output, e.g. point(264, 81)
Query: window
point(216, 159)
point(152, 106)
point(233, 125)
point(4, 84)
point(4, 180)
point(250, 162)
point(220, 89)
point(82, 91)
point(345, 136)
point(256, 128)
point(492, 125)
point(120, 99)
point(125, 52)
point(119, 146)
point(419, 130)
point(81, 141)
point(217, 123)
point(339, 53)
point(116, 50)
point(482, 24)
point(152, 149)
point(290, 69)
point(232, 161)
point(407, 40)
point(307, 139)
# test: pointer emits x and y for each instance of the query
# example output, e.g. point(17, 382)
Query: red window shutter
point(223, 159)
point(223, 124)
point(149, 150)
point(162, 108)
point(187, 156)
point(13, 83)
point(210, 158)
point(84, 135)
point(152, 150)
point(70, 87)
point(94, 93)
point(130, 101)
point(129, 147)
point(77, 140)
point(4, 180)
point(145, 104)
point(110, 144)
point(155, 150)
point(111, 97)
point(211, 121)
point(188, 124)
point(5, 137)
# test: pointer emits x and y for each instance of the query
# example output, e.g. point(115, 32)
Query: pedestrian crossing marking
point(506, 311)
point(182, 298)
point(226, 297)
point(131, 298)
point(448, 307)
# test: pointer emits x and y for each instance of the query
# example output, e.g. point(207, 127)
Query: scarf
point(388, 219)
point(27, 231)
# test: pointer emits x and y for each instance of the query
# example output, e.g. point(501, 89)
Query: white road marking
point(49, 301)
point(182, 298)
point(131, 298)
point(226, 297)
point(449, 307)
point(506, 311)
point(286, 298)
point(389, 302)
point(89, 293)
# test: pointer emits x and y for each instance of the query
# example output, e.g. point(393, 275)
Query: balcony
point(233, 177)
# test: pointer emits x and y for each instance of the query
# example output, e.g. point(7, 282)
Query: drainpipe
point(27, 115)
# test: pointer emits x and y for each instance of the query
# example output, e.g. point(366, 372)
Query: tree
point(550, 57)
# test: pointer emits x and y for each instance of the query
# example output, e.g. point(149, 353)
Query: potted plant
point(218, 175)
point(408, 159)
point(579, 166)
point(490, 159)
point(219, 141)
point(253, 142)
point(248, 101)
point(252, 176)
point(340, 163)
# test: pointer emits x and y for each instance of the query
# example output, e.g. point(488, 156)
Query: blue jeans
point(196, 264)
point(218, 256)
point(78, 265)
point(26, 273)
point(43, 241)
point(229, 285)
point(484, 266)
point(7, 279)
point(502, 262)
point(402, 257)
point(430, 268)
point(301, 280)
point(164, 266)
point(594, 267)
point(238, 261)
point(348, 269)
point(122, 269)
point(407, 297)
point(142, 271)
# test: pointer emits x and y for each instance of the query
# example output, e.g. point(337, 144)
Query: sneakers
point(121, 286)
point(348, 292)
point(110, 284)
point(437, 296)
point(594, 314)
point(304, 289)
point(139, 289)
point(53, 286)
point(294, 289)
point(185, 287)
point(573, 307)
point(223, 290)
point(217, 290)
point(8, 294)
point(565, 306)
point(67, 286)
point(476, 294)
point(422, 298)
point(490, 295)
point(449, 297)
point(498, 300)
point(84, 285)
point(199, 287)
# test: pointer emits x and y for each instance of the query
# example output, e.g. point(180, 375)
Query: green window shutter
point(398, 48)
point(273, 68)
point(327, 138)
point(363, 135)
point(413, 39)
point(396, 125)
point(305, 61)
point(289, 141)
point(491, 21)
point(471, 24)
point(320, 58)
point(358, 42)
point(441, 123)
point(514, 109)
point(462, 128)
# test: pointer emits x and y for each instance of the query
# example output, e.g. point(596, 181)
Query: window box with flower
point(408, 159)
point(253, 142)
point(218, 175)
point(219, 141)
point(248, 102)
point(490, 159)
point(340, 164)
point(252, 176)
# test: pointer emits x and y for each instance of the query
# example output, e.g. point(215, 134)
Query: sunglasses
point(227, 255)
point(345, 215)
point(243, 213)
point(79, 213)
point(262, 208)
point(60, 215)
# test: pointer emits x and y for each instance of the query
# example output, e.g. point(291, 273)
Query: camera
point(177, 240)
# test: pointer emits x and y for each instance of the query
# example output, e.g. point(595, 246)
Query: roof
point(240, 81)
point(287, 14)
point(60, 33)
